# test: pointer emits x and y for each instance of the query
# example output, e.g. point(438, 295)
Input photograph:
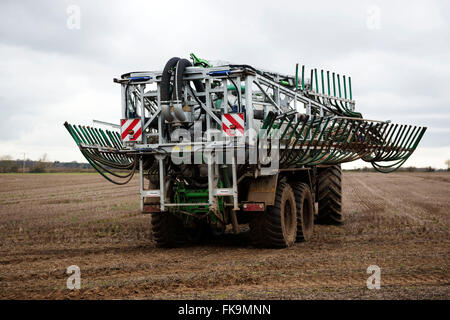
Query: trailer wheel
point(168, 230)
point(305, 211)
point(277, 226)
point(329, 193)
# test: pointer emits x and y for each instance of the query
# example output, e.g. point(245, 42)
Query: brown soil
point(399, 222)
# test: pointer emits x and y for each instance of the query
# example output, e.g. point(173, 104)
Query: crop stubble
point(398, 221)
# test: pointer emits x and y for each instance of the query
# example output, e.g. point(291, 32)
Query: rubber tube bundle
point(179, 65)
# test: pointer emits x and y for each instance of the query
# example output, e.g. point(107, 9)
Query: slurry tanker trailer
point(222, 144)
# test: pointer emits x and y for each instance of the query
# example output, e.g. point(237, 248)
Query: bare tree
point(44, 158)
point(41, 165)
point(7, 164)
point(448, 164)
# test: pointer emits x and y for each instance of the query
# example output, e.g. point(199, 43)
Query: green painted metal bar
point(406, 145)
point(94, 140)
point(80, 134)
point(102, 137)
point(108, 156)
point(397, 138)
point(350, 138)
point(419, 138)
point(396, 165)
point(345, 87)
point(336, 149)
point(289, 139)
point(334, 86)
point(388, 150)
point(98, 139)
point(107, 142)
point(332, 140)
point(303, 77)
point(308, 146)
point(113, 138)
point(412, 138)
point(344, 152)
point(339, 86)
point(73, 133)
point(117, 157)
point(267, 121)
point(86, 138)
point(298, 135)
point(288, 153)
point(119, 138)
point(91, 158)
point(321, 132)
point(317, 80)
point(287, 127)
point(86, 135)
point(332, 148)
point(323, 84)
point(91, 133)
point(402, 144)
point(275, 125)
point(328, 82)
point(350, 87)
point(324, 151)
point(304, 153)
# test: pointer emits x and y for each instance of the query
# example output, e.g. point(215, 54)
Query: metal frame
point(268, 92)
point(329, 131)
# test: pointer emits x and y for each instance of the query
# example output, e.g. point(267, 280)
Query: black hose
point(198, 101)
point(244, 66)
point(182, 64)
point(237, 91)
point(165, 78)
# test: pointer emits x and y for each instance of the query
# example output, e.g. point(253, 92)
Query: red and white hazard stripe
point(131, 129)
point(233, 124)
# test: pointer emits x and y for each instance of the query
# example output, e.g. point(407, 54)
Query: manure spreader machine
point(222, 144)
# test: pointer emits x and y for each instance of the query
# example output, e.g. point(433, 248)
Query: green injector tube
point(328, 81)
point(317, 81)
point(339, 86)
point(345, 87)
point(350, 87)
point(334, 86)
point(323, 83)
point(303, 77)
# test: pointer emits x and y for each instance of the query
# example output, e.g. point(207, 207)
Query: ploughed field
point(399, 222)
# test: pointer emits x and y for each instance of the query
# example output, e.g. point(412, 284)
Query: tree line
point(9, 165)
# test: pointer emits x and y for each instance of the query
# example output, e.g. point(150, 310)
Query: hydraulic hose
point(165, 87)
point(182, 64)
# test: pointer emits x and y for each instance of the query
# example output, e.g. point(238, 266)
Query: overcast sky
point(397, 53)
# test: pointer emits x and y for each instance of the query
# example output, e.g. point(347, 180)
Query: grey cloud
point(50, 73)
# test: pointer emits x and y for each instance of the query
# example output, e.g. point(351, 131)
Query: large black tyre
point(168, 230)
point(329, 194)
point(305, 211)
point(277, 226)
